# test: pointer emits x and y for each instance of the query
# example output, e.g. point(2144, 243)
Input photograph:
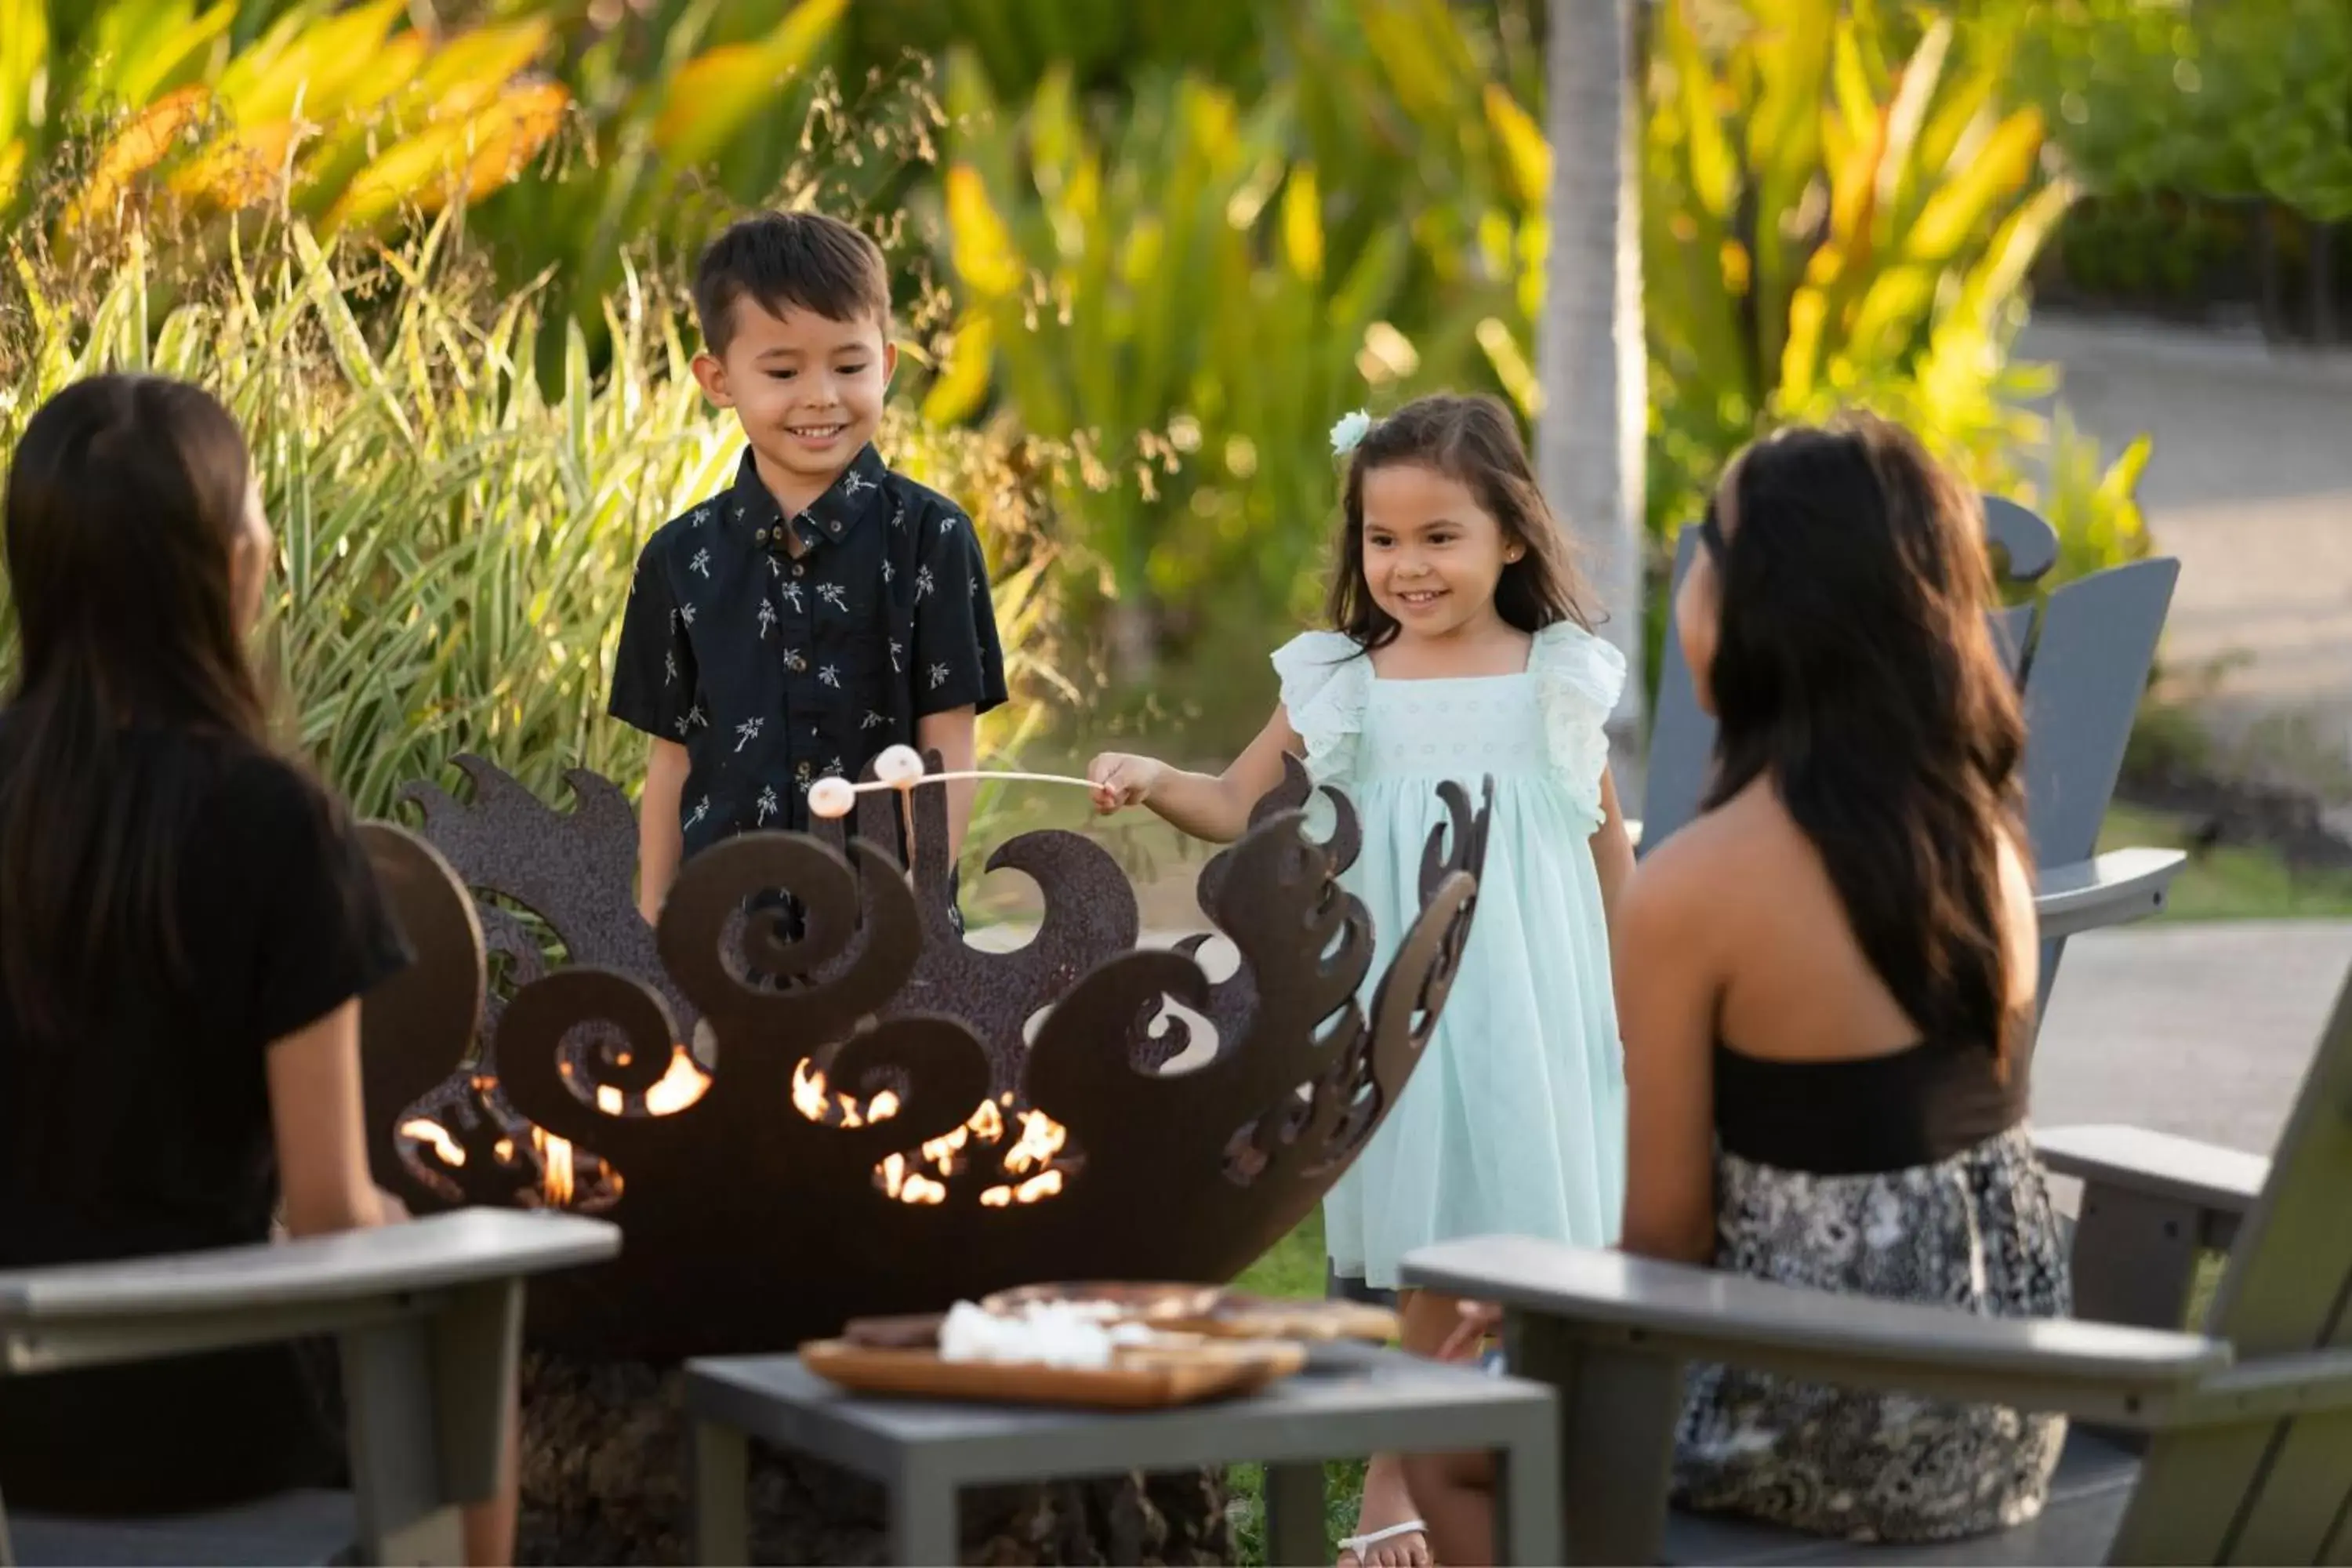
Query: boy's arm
point(654, 682)
point(959, 664)
point(954, 734)
point(661, 841)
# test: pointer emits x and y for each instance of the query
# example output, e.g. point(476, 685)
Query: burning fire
point(1027, 1162)
point(1030, 1158)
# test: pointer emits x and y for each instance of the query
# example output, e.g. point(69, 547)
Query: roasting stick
point(901, 768)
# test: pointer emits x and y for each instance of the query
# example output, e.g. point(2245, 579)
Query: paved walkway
point(2204, 1030)
point(2251, 487)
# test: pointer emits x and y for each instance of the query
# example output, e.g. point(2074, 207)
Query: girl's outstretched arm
point(1215, 807)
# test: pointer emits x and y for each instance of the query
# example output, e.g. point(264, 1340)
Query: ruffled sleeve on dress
point(1579, 679)
point(1326, 681)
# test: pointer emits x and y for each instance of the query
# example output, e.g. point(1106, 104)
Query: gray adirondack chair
point(2233, 1445)
point(427, 1315)
point(2083, 658)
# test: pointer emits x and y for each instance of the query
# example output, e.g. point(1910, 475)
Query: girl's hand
point(1121, 780)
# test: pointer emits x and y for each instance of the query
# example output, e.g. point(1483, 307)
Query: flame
point(1042, 1138)
point(681, 1085)
point(448, 1149)
point(1040, 1186)
point(555, 1162)
point(815, 1100)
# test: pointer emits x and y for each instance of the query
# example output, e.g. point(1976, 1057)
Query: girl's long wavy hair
point(125, 501)
point(1854, 668)
point(1475, 442)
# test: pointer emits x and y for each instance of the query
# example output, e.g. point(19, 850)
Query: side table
point(1350, 1400)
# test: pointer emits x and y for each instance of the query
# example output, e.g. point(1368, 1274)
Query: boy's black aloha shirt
point(775, 671)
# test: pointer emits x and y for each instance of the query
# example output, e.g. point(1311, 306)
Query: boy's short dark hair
point(798, 261)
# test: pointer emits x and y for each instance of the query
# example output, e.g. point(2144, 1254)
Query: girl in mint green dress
point(1460, 653)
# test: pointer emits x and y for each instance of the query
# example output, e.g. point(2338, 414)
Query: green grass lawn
point(1292, 1267)
point(2231, 883)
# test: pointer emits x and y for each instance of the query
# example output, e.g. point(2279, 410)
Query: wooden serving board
point(1141, 1377)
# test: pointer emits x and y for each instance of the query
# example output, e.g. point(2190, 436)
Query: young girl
point(186, 922)
point(1460, 653)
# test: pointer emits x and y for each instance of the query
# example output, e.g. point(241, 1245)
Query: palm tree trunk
point(1590, 435)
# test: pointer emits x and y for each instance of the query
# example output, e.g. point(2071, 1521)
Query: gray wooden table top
point(1350, 1400)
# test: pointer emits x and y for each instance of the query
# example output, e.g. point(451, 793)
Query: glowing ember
point(450, 1151)
point(950, 1154)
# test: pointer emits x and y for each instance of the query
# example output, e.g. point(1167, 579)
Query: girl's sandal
point(1355, 1545)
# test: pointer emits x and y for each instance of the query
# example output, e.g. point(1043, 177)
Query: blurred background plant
point(1166, 244)
point(457, 543)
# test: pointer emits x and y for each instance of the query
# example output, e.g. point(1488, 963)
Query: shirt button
point(760, 537)
point(834, 529)
point(799, 570)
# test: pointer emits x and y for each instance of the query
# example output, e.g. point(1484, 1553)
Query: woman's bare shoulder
point(1718, 865)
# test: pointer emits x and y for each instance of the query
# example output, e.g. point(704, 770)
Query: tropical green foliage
point(1176, 252)
point(1825, 226)
point(456, 544)
point(351, 113)
point(2206, 98)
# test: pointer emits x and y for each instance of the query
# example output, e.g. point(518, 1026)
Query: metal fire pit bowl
point(872, 1115)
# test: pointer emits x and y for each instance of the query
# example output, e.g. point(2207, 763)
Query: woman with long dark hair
point(186, 923)
point(1826, 986)
point(1827, 982)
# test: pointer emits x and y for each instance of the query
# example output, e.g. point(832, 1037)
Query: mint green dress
point(1514, 1122)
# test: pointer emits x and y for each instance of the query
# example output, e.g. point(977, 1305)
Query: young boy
point(822, 607)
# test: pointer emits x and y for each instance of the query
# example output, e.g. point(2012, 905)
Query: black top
point(1864, 1114)
point(151, 1133)
point(776, 671)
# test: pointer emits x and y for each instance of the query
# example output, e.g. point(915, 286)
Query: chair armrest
point(2156, 1164)
point(2114, 888)
point(144, 1307)
point(1689, 1313)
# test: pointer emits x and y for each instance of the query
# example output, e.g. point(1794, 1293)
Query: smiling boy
point(823, 606)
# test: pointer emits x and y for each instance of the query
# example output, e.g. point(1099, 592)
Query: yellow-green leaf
point(138, 147)
point(181, 54)
point(23, 65)
point(1527, 157)
point(1963, 203)
point(454, 160)
point(962, 385)
point(709, 98)
point(1302, 225)
point(981, 247)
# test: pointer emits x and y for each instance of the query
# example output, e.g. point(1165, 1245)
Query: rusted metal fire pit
point(878, 1117)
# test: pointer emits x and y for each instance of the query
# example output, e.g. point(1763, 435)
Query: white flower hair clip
point(1349, 432)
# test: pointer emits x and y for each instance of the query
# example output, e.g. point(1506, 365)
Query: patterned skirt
point(1974, 1233)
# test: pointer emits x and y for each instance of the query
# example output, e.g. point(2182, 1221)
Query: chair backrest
point(2273, 1490)
point(2082, 655)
